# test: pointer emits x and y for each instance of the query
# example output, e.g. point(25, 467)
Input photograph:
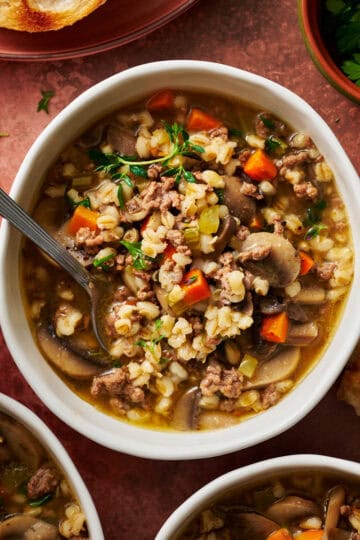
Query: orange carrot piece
point(275, 327)
point(311, 534)
point(144, 224)
point(168, 253)
point(257, 222)
point(83, 217)
point(306, 263)
point(162, 101)
point(195, 286)
point(199, 120)
point(280, 534)
point(260, 167)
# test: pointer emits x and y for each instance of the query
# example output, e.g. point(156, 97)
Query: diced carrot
point(257, 222)
point(260, 167)
point(275, 327)
point(168, 252)
point(280, 534)
point(199, 120)
point(83, 217)
point(162, 101)
point(306, 263)
point(195, 286)
point(311, 534)
point(144, 224)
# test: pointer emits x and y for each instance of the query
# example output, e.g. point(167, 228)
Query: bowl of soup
point(304, 497)
point(42, 493)
point(222, 226)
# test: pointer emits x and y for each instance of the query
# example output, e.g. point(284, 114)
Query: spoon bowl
point(97, 289)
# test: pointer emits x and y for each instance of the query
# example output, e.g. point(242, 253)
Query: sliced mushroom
point(217, 420)
point(226, 231)
point(340, 534)
point(296, 313)
point(249, 525)
point(302, 334)
point(281, 367)
point(69, 363)
point(186, 411)
point(122, 140)
point(132, 282)
point(311, 296)
point(335, 499)
point(27, 527)
point(20, 442)
point(161, 296)
point(291, 508)
point(240, 205)
point(92, 137)
point(270, 305)
point(280, 264)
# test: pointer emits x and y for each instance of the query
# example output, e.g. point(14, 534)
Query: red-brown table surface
point(134, 496)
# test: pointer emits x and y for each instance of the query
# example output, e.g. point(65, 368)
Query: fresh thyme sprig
point(181, 146)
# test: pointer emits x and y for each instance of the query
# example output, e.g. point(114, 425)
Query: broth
point(228, 245)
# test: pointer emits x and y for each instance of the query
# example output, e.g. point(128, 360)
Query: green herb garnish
point(220, 195)
point(313, 219)
point(140, 260)
point(267, 122)
point(179, 173)
point(120, 196)
point(84, 202)
point(158, 324)
point(233, 132)
point(43, 104)
point(342, 29)
point(181, 146)
point(101, 263)
point(138, 171)
point(191, 280)
point(43, 500)
point(274, 145)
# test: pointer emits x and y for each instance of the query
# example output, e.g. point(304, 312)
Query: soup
point(221, 230)
point(36, 502)
point(302, 506)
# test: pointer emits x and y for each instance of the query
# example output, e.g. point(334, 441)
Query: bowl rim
point(52, 444)
point(135, 440)
point(320, 55)
point(209, 492)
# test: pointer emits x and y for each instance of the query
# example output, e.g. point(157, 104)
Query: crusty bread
point(43, 15)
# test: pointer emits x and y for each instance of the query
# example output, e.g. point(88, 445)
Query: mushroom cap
point(276, 369)
point(21, 442)
point(240, 205)
point(248, 525)
point(63, 358)
point(27, 527)
point(281, 266)
point(186, 411)
point(291, 508)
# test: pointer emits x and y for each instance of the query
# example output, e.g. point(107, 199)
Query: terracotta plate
point(115, 23)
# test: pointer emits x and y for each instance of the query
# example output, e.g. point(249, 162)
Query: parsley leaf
point(274, 145)
point(267, 122)
point(314, 231)
point(101, 263)
point(43, 104)
point(140, 260)
point(233, 132)
point(352, 68)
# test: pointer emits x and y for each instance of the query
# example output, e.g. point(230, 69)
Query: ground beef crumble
point(44, 481)
point(116, 384)
point(217, 379)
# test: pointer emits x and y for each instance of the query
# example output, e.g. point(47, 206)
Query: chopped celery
point(248, 365)
point(192, 237)
point(209, 220)
point(82, 181)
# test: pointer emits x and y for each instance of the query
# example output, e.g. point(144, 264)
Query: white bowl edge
point(76, 412)
point(52, 444)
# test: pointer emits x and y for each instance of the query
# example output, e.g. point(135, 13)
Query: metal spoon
point(96, 288)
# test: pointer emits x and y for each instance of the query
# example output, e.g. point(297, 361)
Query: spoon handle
point(21, 220)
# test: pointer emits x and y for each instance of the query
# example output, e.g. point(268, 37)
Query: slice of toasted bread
point(44, 15)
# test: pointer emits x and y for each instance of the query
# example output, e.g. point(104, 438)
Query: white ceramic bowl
point(71, 122)
point(258, 472)
point(53, 446)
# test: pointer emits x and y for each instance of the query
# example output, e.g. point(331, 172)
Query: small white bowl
point(93, 104)
point(53, 446)
point(258, 472)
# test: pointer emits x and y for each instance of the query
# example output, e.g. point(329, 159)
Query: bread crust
point(27, 15)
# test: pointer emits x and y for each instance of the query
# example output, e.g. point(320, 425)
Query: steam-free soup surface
point(226, 246)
